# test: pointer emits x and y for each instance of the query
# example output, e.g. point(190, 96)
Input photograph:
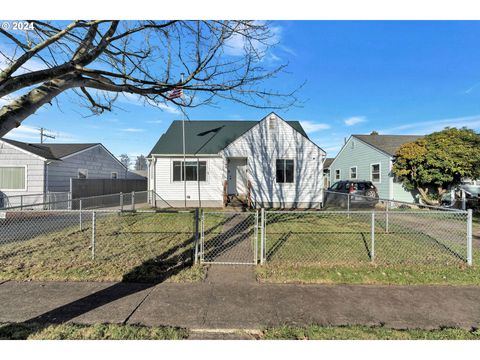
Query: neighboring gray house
point(27, 168)
point(370, 157)
point(271, 161)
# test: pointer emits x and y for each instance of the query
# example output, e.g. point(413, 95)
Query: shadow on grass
point(146, 276)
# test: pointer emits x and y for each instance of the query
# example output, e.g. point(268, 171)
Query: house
point(272, 162)
point(38, 169)
point(326, 172)
point(370, 157)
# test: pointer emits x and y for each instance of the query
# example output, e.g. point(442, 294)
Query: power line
point(44, 135)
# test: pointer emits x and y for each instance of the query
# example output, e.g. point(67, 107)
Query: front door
point(237, 176)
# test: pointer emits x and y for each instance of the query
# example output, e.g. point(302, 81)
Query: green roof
point(206, 136)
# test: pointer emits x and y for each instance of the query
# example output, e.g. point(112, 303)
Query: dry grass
point(141, 247)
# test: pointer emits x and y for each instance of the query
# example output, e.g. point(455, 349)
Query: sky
point(398, 77)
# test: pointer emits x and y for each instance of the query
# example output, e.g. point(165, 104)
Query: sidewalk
point(243, 304)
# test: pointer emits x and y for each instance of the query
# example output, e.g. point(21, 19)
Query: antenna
point(44, 135)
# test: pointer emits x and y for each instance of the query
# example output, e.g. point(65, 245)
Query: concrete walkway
point(243, 304)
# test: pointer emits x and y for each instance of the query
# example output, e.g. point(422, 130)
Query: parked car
point(472, 197)
point(358, 192)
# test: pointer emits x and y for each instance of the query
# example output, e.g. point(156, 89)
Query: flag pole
point(183, 136)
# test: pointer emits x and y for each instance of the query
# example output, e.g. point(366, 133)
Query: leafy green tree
point(438, 161)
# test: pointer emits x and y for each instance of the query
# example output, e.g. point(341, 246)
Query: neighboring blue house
point(370, 157)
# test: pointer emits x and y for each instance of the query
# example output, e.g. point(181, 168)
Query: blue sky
point(399, 77)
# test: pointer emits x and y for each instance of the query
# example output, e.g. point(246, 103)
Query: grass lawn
point(365, 333)
point(141, 247)
point(25, 331)
point(333, 249)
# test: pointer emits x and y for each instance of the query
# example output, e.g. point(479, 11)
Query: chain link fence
point(62, 201)
point(229, 237)
point(85, 245)
point(34, 201)
point(355, 237)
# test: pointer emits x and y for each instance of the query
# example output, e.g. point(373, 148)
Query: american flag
point(175, 93)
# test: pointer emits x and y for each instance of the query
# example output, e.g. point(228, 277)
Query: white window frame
point(356, 173)
point(379, 173)
point(82, 170)
point(339, 174)
point(116, 175)
point(26, 177)
point(294, 165)
point(190, 181)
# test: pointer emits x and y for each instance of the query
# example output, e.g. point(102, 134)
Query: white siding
point(11, 156)
point(99, 163)
point(262, 146)
point(172, 192)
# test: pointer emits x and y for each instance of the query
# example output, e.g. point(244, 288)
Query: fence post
point(21, 202)
point(255, 235)
point(464, 200)
point(121, 201)
point(69, 203)
point(262, 236)
point(469, 238)
point(80, 208)
point(348, 205)
point(133, 200)
point(386, 216)
point(93, 234)
point(196, 237)
point(202, 237)
point(372, 234)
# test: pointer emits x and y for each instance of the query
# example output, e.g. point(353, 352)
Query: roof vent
point(272, 121)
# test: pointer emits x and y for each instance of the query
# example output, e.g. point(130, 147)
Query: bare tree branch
point(220, 59)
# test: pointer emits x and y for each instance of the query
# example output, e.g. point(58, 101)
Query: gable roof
point(327, 163)
point(50, 151)
point(389, 144)
point(206, 136)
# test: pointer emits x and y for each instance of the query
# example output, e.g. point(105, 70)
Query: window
point(375, 173)
point(353, 172)
point(284, 171)
point(13, 178)
point(194, 171)
point(114, 175)
point(82, 173)
point(337, 174)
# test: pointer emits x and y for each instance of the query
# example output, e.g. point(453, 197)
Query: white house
point(272, 162)
point(34, 170)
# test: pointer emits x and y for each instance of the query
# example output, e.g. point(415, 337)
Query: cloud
point(32, 134)
point(31, 65)
point(237, 44)
point(426, 127)
point(311, 127)
point(132, 130)
point(471, 88)
point(354, 120)
point(154, 121)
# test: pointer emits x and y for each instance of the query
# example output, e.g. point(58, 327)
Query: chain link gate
point(229, 238)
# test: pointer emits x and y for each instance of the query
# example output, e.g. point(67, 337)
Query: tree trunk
point(424, 195)
point(12, 115)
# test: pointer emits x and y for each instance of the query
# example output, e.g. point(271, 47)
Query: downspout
point(154, 180)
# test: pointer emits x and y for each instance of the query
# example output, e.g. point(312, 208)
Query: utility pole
point(44, 135)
